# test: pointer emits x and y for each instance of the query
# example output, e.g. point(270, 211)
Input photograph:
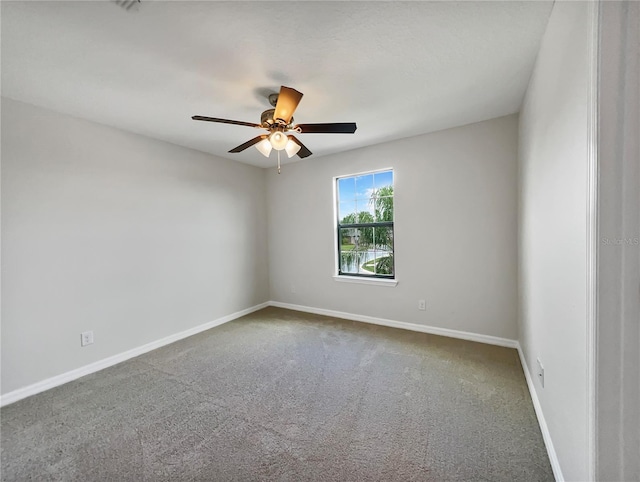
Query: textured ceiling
point(396, 69)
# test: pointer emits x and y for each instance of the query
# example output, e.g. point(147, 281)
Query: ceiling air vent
point(129, 5)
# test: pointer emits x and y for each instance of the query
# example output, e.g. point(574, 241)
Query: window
point(364, 207)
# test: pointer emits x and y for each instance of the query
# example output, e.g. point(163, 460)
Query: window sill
point(389, 283)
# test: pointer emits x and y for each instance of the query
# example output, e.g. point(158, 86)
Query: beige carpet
point(284, 395)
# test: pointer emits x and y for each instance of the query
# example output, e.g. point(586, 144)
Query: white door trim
point(592, 235)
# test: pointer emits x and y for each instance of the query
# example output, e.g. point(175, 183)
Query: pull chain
point(278, 162)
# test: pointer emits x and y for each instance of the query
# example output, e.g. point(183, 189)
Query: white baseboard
point(63, 378)
point(69, 376)
point(433, 330)
point(464, 335)
point(551, 451)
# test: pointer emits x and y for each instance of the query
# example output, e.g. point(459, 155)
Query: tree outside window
point(365, 224)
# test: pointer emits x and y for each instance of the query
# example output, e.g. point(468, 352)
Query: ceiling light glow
point(292, 148)
point(278, 140)
point(264, 146)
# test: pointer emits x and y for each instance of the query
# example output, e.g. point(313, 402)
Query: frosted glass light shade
point(292, 148)
point(278, 140)
point(264, 146)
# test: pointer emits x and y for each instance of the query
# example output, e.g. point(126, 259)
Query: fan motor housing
point(266, 119)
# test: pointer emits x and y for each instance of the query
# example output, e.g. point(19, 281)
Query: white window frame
point(347, 278)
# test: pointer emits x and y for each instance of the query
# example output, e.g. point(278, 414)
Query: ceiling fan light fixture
point(279, 124)
point(264, 146)
point(278, 140)
point(292, 148)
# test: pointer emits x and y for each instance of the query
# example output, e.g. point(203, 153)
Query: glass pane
point(383, 239)
point(364, 199)
point(347, 212)
point(383, 179)
point(364, 186)
point(347, 239)
point(346, 189)
point(364, 189)
point(384, 209)
point(357, 209)
point(383, 242)
point(365, 216)
point(350, 253)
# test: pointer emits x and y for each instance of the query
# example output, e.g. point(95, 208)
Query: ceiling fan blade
point(224, 121)
point(331, 128)
point(248, 144)
point(288, 100)
point(303, 152)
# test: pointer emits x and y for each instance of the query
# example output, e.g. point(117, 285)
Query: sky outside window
point(355, 192)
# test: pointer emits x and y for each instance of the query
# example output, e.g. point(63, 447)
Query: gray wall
point(127, 236)
point(455, 230)
point(618, 370)
point(553, 231)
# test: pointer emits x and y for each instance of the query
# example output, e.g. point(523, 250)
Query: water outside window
point(365, 224)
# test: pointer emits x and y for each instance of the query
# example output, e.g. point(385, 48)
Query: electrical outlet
point(86, 338)
point(293, 289)
point(422, 305)
point(540, 372)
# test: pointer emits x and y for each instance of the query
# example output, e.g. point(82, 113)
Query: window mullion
point(366, 200)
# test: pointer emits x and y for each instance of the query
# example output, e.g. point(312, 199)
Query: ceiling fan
point(279, 124)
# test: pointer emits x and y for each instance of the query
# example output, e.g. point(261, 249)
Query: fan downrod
point(273, 99)
point(279, 119)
